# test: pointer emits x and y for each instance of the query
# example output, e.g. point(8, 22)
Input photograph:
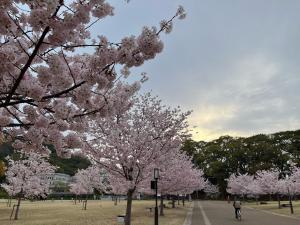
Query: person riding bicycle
point(237, 207)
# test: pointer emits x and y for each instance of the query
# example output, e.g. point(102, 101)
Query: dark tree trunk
point(183, 199)
point(84, 202)
point(162, 205)
point(128, 207)
point(173, 203)
point(86, 199)
point(116, 200)
point(9, 202)
point(278, 199)
point(178, 200)
point(18, 208)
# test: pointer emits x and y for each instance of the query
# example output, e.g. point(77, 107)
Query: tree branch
point(28, 63)
point(32, 56)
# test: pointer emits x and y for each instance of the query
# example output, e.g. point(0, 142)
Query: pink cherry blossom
point(27, 178)
point(239, 184)
point(267, 180)
point(46, 82)
point(211, 189)
point(88, 180)
point(130, 144)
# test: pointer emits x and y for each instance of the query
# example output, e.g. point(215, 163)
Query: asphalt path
point(222, 213)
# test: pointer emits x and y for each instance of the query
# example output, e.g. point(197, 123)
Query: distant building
point(58, 182)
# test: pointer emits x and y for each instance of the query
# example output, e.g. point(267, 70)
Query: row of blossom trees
point(127, 147)
point(266, 182)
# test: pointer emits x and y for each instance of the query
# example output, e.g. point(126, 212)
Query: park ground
point(222, 213)
point(104, 212)
point(272, 207)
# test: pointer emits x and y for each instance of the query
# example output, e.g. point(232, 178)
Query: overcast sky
point(235, 63)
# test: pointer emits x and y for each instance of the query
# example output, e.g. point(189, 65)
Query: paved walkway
point(221, 213)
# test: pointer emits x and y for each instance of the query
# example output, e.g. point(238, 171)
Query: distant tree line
point(228, 155)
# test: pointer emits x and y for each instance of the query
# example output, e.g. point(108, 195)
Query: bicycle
point(239, 215)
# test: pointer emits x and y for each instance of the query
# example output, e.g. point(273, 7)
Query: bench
point(121, 219)
point(263, 203)
point(285, 205)
point(150, 209)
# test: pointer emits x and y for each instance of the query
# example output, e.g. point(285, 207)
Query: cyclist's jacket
point(237, 204)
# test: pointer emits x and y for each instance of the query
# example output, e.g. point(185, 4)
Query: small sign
point(153, 184)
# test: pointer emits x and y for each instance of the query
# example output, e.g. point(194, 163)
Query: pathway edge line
point(188, 218)
point(205, 218)
point(273, 213)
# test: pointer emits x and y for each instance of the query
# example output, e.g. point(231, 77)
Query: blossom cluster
point(85, 181)
point(177, 175)
point(27, 177)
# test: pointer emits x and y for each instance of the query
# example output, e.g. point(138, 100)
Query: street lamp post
point(156, 176)
point(290, 197)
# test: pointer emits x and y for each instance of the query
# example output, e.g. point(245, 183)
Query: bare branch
point(68, 66)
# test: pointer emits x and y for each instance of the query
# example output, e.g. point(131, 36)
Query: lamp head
point(156, 173)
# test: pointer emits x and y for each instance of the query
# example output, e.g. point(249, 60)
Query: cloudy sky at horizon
point(234, 63)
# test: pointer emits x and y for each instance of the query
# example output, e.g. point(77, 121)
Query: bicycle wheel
point(239, 215)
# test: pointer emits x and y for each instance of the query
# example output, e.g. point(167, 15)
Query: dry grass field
point(98, 213)
point(272, 206)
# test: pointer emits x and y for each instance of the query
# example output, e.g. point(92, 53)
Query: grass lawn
point(98, 213)
point(272, 206)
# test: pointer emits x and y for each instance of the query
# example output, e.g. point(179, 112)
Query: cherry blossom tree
point(239, 184)
point(188, 180)
point(26, 178)
point(48, 87)
point(116, 189)
point(86, 180)
point(177, 175)
point(290, 184)
point(76, 189)
point(211, 189)
point(295, 180)
point(283, 187)
point(129, 144)
point(255, 190)
point(267, 180)
point(286, 186)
